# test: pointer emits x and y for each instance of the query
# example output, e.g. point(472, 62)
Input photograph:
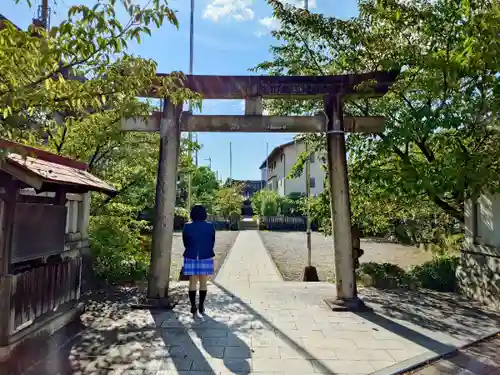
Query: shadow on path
point(227, 297)
point(447, 313)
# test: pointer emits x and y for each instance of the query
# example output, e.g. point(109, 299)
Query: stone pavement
point(482, 358)
point(256, 323)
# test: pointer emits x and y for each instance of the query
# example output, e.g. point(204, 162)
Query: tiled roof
point(54, 173)
point(49, 168)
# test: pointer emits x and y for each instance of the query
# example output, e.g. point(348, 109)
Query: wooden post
point(5, 308)
point(345, 280)
point(8, 207)
point(159, 270)
point(7, 222)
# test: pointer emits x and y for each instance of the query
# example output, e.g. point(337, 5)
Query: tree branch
point(452, 211)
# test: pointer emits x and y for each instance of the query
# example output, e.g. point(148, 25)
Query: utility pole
point(44, 14)
point(267, 164)
point(308, 217)
point(196, 152)
point(310, 272)
point(190, 136)
point(209, 159)
point(230, 161)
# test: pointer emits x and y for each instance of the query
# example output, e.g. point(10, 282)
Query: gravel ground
point(224, 240)
point(289, 252)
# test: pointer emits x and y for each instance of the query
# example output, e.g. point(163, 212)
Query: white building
point(281, 161)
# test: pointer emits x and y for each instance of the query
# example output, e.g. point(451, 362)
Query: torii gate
point(333, 89)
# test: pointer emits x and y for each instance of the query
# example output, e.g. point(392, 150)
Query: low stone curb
point(428, 359)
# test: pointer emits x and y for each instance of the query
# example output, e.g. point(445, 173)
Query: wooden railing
point(31, 294)
point(292, 223)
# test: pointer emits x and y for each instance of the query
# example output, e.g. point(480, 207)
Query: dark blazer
point(199, 240)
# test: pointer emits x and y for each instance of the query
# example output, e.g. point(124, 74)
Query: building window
point(312, 182)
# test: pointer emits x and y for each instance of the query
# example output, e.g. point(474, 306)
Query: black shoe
point(192, 299)
point(201, 307)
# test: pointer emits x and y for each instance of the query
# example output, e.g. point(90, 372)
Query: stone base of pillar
point(351, 304)
point(310, 274)
point(155, 303)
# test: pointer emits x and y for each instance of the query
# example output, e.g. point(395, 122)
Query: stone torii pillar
point(345, 279)
point(161, 248)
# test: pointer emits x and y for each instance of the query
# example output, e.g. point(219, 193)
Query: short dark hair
point(198, 213)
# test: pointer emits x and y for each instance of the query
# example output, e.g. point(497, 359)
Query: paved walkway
point(481, 359)
point(248, 262)
point(256, 323)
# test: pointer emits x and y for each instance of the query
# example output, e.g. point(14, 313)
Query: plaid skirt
point(198, 266)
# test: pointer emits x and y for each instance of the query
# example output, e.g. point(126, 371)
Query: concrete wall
point(478, 273)
point(282, 165)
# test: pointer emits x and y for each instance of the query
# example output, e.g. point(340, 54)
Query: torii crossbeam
point(253, 89)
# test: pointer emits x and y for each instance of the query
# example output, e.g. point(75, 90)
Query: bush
point(269, 206)
point(234, 220)
point(259, 198)
point(290, 205)
point(181, 217)
point(119, 252)
point(383, 275)
point(228, 200)
point(436, 274)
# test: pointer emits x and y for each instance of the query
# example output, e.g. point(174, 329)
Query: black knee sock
point(203, 295)
point(192, 298)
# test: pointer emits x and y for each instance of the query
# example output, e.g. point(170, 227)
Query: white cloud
point(300, 3)
point(272, 23)
point(269, 24)
point(240, 10)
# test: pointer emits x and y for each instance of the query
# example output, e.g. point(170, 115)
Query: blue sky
point(231, 36)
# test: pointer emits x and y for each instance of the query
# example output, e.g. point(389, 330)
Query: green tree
point(204, 187)
point(43, 103)
point(439, 146)
point(39, 87)
point(228, 200)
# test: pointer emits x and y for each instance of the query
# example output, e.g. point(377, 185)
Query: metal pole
point(267, 164)
point(345, 280)
point(209, 162)
point(230, 161)
point(45, 14)
point(196, 152)
point(308, 192)
point(308, 218)
point(190, 136)
point(161, 249)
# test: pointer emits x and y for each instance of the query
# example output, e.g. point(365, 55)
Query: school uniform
point(199, 242)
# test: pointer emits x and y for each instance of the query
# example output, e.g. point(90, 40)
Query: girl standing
point(199, 240)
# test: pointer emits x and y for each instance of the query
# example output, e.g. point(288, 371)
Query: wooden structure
point(44, 210)
point(333, 90)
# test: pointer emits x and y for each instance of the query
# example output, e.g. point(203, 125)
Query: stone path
point(258, 324)
point(248, 262)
